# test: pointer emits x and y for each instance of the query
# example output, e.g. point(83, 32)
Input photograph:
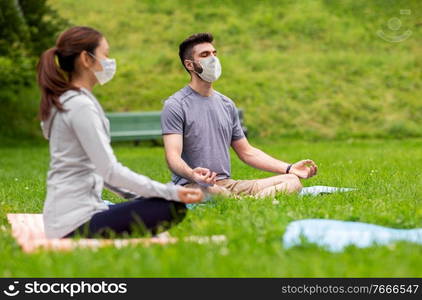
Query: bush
point(27, 27)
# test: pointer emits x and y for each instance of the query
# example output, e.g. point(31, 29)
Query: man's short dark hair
point(186, 47)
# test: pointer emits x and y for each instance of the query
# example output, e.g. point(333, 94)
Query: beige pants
point(266, 187)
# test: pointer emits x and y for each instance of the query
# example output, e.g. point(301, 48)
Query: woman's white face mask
point(109, 69)
point(211, 68)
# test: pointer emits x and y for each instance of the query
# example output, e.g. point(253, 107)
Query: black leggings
point(142, 215)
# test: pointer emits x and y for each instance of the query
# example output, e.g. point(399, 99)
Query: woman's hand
point(188, 195)
point(304, 169)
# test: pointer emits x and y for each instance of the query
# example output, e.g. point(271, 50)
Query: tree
point(27, 27)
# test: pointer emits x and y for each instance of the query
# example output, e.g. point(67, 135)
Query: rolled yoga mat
point(336, 235)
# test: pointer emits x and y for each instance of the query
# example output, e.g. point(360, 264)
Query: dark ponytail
point(52, 83)
point(57, 65)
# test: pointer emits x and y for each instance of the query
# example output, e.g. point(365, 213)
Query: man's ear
point(189, 64)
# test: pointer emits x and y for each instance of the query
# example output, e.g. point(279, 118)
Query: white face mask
point(211, 68)
point(109, 69)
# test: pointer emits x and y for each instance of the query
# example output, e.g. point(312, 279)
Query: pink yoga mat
point(28, 230)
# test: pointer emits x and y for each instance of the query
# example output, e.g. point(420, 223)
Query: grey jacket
point(81, 160)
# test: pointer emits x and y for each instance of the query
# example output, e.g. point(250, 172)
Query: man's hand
point(304, 169)
point(203, 176)
point(187, 195)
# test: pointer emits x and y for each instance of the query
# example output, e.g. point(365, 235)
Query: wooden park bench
point(140, 126)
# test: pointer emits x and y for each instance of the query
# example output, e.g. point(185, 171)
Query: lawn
point(386, 172)
point(315, 71)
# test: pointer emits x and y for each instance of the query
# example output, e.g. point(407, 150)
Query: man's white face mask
point(109, 69)
point(211, 68)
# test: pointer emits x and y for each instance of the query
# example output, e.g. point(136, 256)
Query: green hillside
point(307, 69)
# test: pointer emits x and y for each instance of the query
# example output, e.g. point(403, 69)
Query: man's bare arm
point(260, 160)
point(173, 145)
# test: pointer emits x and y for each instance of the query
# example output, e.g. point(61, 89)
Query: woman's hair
point(57, 64)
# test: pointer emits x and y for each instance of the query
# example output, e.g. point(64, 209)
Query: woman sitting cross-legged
point(81, 158)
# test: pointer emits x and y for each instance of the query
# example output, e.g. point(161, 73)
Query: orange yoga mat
point(28, 230)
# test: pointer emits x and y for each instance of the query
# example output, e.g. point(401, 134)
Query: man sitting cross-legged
point(200, 124)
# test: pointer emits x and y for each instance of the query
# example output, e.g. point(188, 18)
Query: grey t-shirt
point(208, 125)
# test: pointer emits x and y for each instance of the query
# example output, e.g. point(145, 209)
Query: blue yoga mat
point(336, 235)
point(320, 189)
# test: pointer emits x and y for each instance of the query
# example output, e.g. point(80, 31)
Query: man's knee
point(294, 183)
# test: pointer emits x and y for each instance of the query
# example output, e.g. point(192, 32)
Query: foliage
point(27, 28)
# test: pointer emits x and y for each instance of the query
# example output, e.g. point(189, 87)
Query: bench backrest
point(134, 121)
point(135, 126)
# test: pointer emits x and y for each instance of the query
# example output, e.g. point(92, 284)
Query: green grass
point(298, 68)
point(302, 69)
point(387, 174)
point(306, 69)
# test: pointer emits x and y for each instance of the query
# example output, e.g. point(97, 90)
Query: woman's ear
point(86, 60)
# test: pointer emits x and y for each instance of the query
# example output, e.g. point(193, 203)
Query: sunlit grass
point(386, 174)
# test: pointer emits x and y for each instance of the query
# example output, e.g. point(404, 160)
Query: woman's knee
point(175, 211)
point(160, 214)
point(178, 211)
